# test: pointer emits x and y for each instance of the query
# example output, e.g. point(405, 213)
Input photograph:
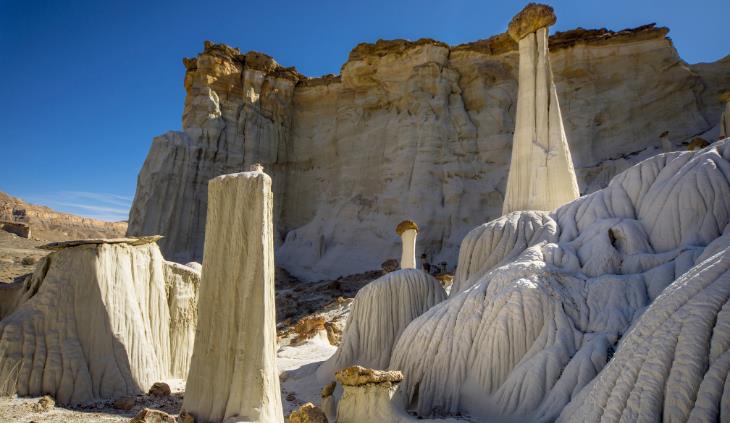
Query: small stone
point(308, 413)
point(124, 403)
point(328, 389)
point(358, 376)
point(30, 260)
point(390, 265)
point(334, 331)
point(186, 417)
point(149, 415)
point(45, 403)
point(160, 389)
point(697, 143)
point(307, 327)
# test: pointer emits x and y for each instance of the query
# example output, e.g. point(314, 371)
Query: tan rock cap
point(533, 17)
point(358, 376)
point(405, 225)
point(55, 246)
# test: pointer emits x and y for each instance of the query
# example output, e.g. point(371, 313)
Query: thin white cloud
point(96, 205)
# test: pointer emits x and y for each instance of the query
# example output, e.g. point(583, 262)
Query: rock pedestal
point(541, 175)
point(233, 368)
point(408, 231)
point(98, 319)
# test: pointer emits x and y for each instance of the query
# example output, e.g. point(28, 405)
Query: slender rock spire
point(408, 231)
point(541, 175)
point(725, 120)
point(233, 370)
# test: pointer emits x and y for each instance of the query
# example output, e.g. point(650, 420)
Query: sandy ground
point(18, 255)
point(298, 386)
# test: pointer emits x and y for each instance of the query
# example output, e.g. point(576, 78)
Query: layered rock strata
point(94, 321)
point(237, 113)
point(410, 129)
point(233, 373)
point(541, 175)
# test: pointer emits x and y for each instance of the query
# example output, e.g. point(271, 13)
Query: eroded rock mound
point(675, 362)
point(522, 338)
point(93, 322)
point(380, 312)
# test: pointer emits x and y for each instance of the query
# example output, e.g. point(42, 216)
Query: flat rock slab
point(55, 246)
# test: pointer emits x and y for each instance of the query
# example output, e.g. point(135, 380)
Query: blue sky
point(87, 84)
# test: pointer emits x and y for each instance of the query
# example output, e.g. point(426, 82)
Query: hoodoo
point(233, 369)
point(541, 175)
point(725, 120)
point(98, 319)
point(408, 231)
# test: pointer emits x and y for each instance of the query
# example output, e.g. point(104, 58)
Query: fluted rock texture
point(233, 371)
point(93, 322)
point(520, 337)
point(379, 314)
point(674, 364)
point(418, 130)
point(541, 175)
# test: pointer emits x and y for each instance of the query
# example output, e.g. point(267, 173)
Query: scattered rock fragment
point(358, 376)
point(149, 415)
point(308, 413)
point(390, 265)
point(308, 327)
point(160, 389)
point(124, 403)
point(45, 403)
point(697, 143)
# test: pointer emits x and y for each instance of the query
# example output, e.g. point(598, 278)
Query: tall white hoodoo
point(541, 175)
point(233, 368)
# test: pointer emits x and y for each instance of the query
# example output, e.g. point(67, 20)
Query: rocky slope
point(19, 255)
point(50, 225)
point(417, 130)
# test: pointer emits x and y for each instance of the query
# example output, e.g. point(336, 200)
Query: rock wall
point(418, 130)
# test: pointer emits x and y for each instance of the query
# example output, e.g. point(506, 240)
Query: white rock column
point(541, 175)
point(725, 120)
point(408, 231)
point(233, 370)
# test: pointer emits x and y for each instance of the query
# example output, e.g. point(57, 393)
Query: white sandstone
point(674, 363)
point(97, 319)
point(408, 231)
point(541, 175)
point(526, 330)
point(418, 129)
point(381, 311)
point(233, 372)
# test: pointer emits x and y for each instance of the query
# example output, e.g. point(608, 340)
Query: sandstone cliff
point(418, 130)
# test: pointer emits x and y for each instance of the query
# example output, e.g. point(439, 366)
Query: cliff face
point(237, 112)
point(417, 130)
